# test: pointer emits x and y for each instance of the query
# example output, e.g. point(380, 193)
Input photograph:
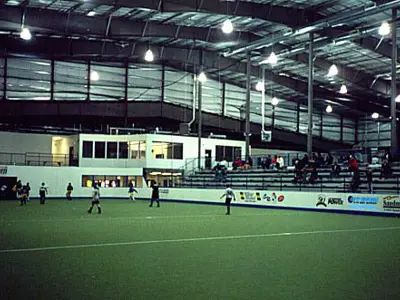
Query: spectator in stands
point(237, 164)
point(329, 160)
point(335, 170)
point(353, 164)
point(223, 163)
point(319, 161)
point(220, 172)
point(313, 175)
point(298, 171)
point(386, 169)
point(274, 163)
point(281, 162)
point(355, 182)
point(369, 180)
point(246, 165)
point(305, 160)
point(250, 161)
point(388, 157)
point(264, 163)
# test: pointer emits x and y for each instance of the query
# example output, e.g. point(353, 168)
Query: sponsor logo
point(322, 200)
point(391, 203)
point(273, 198)
point(3, 170)
point(248, 196)
point(362, 200)
point(164, 191)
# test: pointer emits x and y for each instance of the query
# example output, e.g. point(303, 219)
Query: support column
point(393, 133)
point(298, 118)
point(5, 78)
point(126, 65)
point(199, 113)
point(223, 99)
point(199, 122)
point(52, 81)
point(247, 116)
point(310, 94)
point(88, 81)
point(263, 101)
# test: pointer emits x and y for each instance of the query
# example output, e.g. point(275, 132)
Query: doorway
point(208, 159)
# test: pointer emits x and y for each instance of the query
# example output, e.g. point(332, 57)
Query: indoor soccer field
point(188, 251)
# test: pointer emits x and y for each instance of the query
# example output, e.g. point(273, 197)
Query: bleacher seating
point(258, 179)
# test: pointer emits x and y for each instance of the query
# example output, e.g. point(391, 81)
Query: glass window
point(100, 150)
point(87, 180)
point(112, 149)
point(110, 83)
point(123, 150)
point(87, 151)
point(70, 80)
point(228, 153)
point(99, 180)
point(137, 149)
point(144, 82)
point(165, 150)
point(179, 87)
point(28, 79)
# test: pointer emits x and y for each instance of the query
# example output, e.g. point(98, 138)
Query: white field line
point(186, 240)
point(102, 218)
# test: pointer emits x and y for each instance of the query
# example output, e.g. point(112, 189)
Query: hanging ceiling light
point(94, 76)
point(384, 29)
point(343, 89)
point(398, 99)
point(227, 27)
point(202, 77)
point(333, 71)
point(91, 13)
point(25, 34)
point(375, 115)
point(272, 59)
point(149, 56)
point(329, 109)
point(260, 86)
point(275, 101)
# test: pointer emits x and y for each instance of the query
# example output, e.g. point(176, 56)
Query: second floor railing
point(36, 159)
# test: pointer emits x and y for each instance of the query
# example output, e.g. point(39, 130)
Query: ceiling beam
point(120, 28)
point(184, 59)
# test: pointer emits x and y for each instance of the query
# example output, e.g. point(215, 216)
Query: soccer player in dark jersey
point(155, 194)
point(43, 193)
point(131, 192)
point(23, 197)
point(28, 190)
point(95, 199)
point(229, 195)
point(69, 191)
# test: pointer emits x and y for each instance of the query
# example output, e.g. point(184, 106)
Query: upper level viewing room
point(151, 151)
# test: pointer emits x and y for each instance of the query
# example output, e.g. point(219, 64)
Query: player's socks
point(90, 210)
point(99, 210)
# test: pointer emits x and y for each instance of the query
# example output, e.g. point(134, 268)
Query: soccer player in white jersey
point(95, 199)
point(229, 195)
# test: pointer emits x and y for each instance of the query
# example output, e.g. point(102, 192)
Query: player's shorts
point(228, 201)
point(96, 201)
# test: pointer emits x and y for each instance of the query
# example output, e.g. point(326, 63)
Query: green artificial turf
point(336, 265)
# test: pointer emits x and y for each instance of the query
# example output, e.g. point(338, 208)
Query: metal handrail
point(34, 159)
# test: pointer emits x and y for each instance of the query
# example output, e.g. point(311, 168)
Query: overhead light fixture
point(384, 29)
point(94, 76)
point(329, 109)
point(272, 59)
point(91, 13)
point(333, 71)
point(260, 86)
point(275, 101)
point(202, 77)
point(25, 34)
point(149, 56)
point(343, 89)
point(57, 138)
point(398, 99)
point(227, 27)
point(375, 115)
